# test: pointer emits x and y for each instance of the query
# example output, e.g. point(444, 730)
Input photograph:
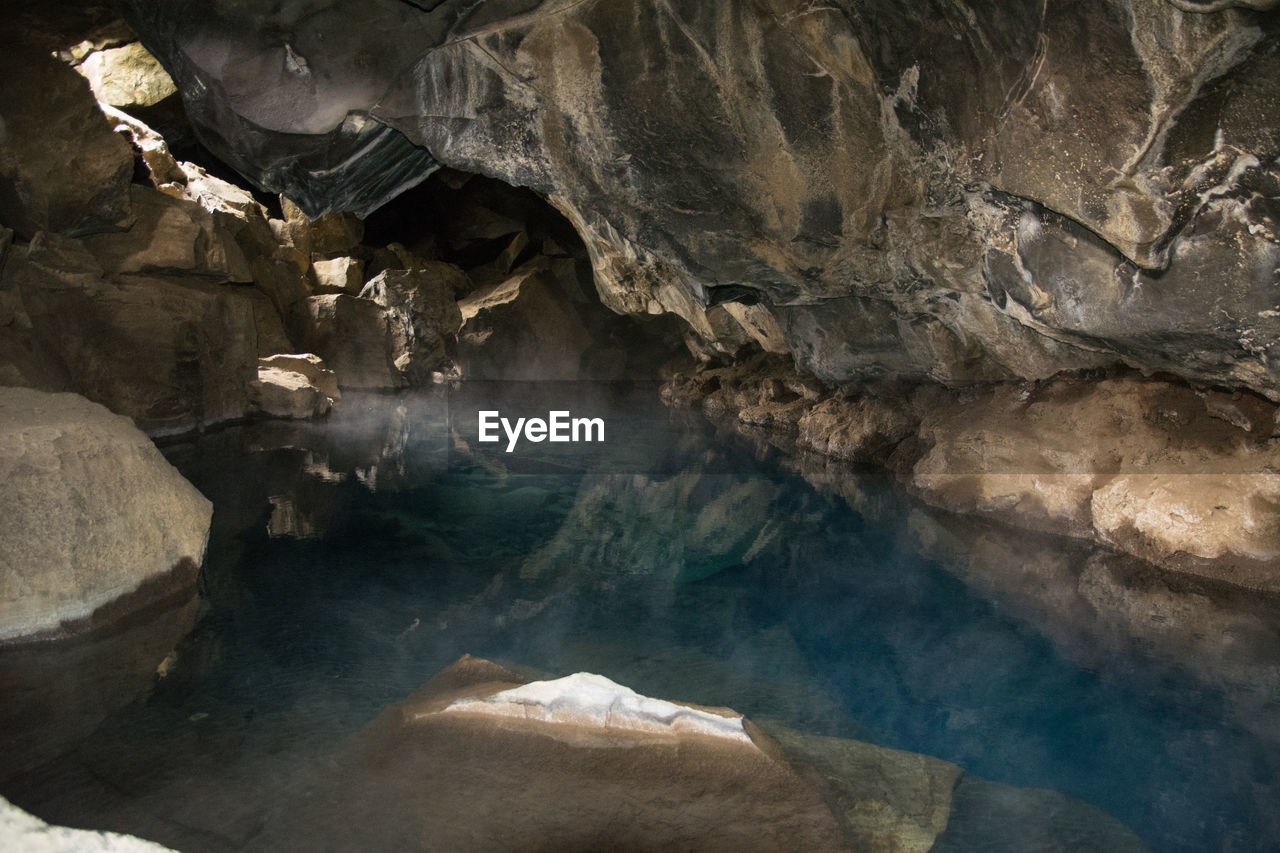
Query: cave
point(624, 425)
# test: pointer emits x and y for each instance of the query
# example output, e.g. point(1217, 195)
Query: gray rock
point(22, 831)
point(906, 192)
point(95, 522)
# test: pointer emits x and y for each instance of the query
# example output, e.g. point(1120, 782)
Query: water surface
point(352, 559)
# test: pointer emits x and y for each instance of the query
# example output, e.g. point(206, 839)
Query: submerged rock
point(95, 523)
point(503, 782)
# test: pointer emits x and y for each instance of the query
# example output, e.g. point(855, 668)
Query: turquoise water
point(352, 559)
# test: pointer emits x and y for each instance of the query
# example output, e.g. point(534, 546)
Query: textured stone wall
point(950, 190)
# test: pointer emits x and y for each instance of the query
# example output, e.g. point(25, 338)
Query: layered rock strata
point(1183, 479)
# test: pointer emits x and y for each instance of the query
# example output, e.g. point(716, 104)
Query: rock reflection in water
point(351, 560)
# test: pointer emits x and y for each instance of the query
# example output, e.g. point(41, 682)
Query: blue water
point(352, 559)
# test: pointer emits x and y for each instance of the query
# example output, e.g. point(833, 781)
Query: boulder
point(571, 774)
point(172, 235)
point(325, 236)
point(281, 393)
point(354, 337)
point(95, 523)
point(338, 275)
point(423, 316)
point(62, 168)
point(126, 76)
point(310, 366)
point(22, 831)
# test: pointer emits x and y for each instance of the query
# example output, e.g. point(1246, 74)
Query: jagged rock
point(22, 831)
point(862, 429)
point(126, 76)
point(326, 236)
point(525, 327)
point(338, 275)
point(423, 316)
point(150, 146)
point(171, 235)
point(281, 393)
point(353, 336)
point(61, 166)
point(95, 524)
point(310, 366)
point(907, 192)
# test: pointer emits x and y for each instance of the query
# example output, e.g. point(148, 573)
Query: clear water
point(352, 559)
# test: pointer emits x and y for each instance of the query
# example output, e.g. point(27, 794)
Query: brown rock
point(281, 393)
point(354, 338)
point(338, 275)
point(91, 513)
point(126, 76)
point(423, 316)
point(326, 236)
point(62, 168)
point(171, 235)
point(310, 366)
point(499, 781)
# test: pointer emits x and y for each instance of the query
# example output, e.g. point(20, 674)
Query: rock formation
point(95, 522)
point(583, 762)
point(22, 831)
point(908, 190)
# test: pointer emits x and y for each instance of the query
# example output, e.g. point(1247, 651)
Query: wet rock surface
point(1181, 478)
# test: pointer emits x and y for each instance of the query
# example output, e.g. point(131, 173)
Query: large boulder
point(61, 166)
point(422, 313)
point(126, 76)
point(352, 335)
point(94, 522)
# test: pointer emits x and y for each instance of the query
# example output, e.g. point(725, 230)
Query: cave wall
point(962, 191)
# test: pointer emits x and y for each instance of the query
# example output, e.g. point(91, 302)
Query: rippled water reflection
point(352, 559)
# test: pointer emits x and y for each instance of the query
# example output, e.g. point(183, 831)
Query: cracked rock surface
point(927, 189)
